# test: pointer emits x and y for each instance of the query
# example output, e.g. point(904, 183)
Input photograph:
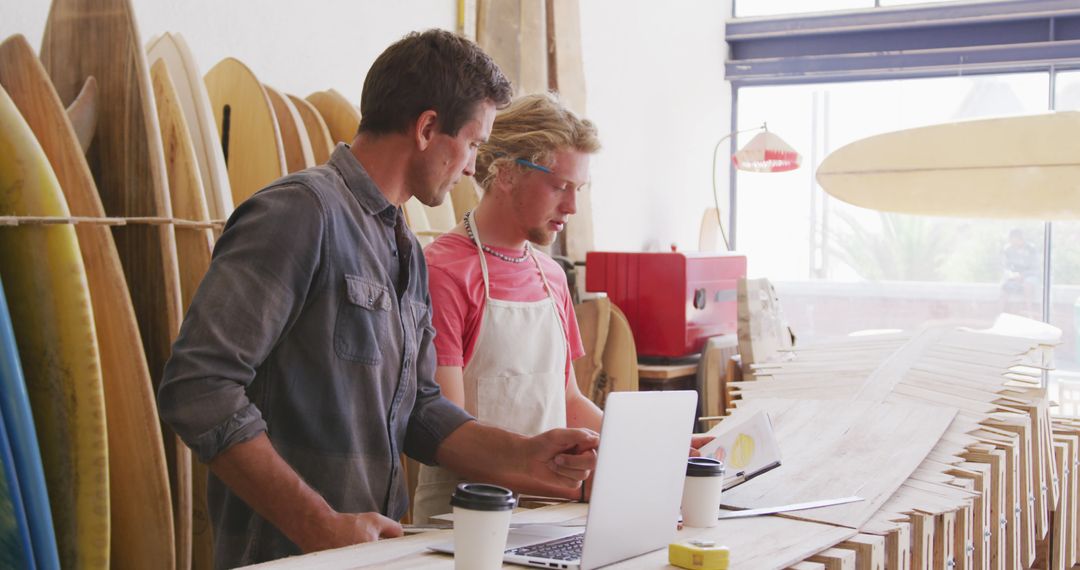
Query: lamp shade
point(766, 152)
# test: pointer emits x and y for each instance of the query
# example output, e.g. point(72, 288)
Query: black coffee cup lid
point(483, 497)
point(704, 467)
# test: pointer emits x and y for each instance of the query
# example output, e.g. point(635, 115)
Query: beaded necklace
point(502, 256)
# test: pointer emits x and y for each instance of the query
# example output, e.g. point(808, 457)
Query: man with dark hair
point(305, 364)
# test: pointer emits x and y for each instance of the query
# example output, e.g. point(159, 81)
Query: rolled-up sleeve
point(254, 289)
point(433, 417)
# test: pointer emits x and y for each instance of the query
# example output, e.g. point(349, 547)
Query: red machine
point(673, 301)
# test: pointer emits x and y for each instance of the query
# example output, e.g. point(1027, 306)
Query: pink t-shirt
point(457, 295)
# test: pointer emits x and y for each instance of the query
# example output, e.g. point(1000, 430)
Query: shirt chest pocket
point(363, 319)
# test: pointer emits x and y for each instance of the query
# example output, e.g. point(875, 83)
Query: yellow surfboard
point(342, 118)
point(250, 137)
point(294, 137)
point(193, 249)
point(191, 91)
point(318, 134)
point(1012, 167)
point(46, 286)
point(138, 480)
point(101, 39)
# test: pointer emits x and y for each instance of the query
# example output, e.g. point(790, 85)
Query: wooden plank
point(862, 448)
point(922, 541)
point(898, 547)
point(995, 459)
point(1060, 548)
point(1027, 496)
point(836, 559)
point(869, 551)
point(979, 475)
point(1072, 442)
point(944, 540)
point(808, 565)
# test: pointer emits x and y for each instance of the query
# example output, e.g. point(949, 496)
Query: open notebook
point(747, 446)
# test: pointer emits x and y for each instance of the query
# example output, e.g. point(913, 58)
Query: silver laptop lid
point(638, 484)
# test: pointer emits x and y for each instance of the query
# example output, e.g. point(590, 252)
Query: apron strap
point(480, 250)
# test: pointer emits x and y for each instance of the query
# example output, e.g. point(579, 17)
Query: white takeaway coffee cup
point(481, 523)
point(701, 492)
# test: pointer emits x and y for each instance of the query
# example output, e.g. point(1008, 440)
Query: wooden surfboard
point(342, 118)
point(294, 137)
point(1013, 167)
point(250, 137)
point(54, 329)
point(25, 455)
point(138, 477)
point(101, 39)
point(193, 249)
point(318, 135)
point(191, 91)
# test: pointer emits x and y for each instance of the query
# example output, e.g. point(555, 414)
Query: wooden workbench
point(756, 543)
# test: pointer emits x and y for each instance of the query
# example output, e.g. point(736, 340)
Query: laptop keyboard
point(568, 548)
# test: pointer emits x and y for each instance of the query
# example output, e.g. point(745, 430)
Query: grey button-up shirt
point(314, 325)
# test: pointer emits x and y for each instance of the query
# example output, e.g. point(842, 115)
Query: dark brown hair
point(435, 70)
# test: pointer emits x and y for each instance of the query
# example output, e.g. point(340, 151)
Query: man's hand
point(561, 457)
point(552, 464)
point(697, 441)
point(345, 529)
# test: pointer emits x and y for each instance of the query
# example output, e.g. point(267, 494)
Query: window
point(841, 268)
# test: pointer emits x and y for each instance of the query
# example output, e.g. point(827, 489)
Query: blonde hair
point(533, 127)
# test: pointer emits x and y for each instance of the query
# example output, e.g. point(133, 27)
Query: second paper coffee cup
point(701, 492)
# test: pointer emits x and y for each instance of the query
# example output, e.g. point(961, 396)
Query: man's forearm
point(256, 472)
point(525, 464)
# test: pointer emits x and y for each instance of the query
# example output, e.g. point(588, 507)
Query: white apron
point(516, 379)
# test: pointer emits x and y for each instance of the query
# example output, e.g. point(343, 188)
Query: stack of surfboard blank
point(990, 488)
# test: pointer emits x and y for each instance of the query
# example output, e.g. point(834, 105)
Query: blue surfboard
point(19, 424)
point(15, 549)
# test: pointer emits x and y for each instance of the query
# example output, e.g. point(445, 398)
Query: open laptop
point(636, 490)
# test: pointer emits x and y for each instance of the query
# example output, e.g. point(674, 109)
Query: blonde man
point(505, 324)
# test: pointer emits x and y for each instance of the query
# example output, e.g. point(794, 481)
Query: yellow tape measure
point(698, 554)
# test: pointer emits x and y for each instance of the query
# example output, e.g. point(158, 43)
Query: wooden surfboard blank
point(342, 118)
point(191, 91)
point(318, 135)
point(193, 249)
point(294, 137)
point(138, 480)
point(43, 275)
point(250, 138)
point(126, 158)
point(1013, 167)
point(193, 245)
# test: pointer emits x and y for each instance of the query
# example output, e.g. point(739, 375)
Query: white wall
point(653, 75)
point(298, 47)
